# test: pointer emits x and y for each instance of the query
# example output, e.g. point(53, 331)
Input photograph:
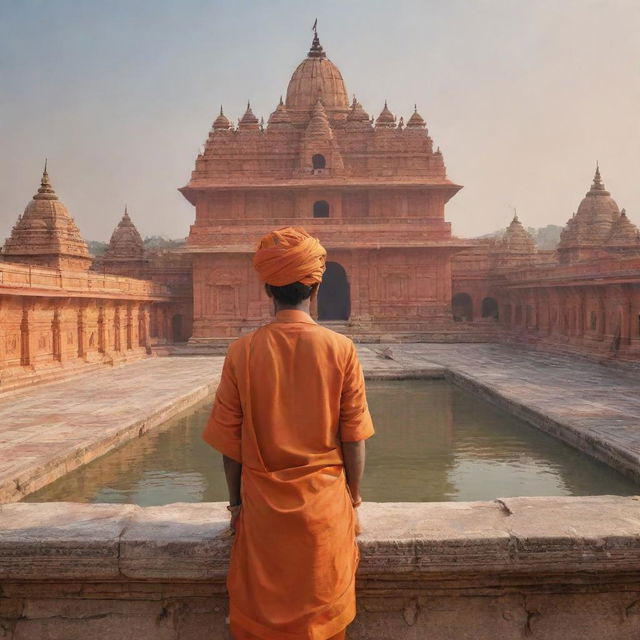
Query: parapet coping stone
point(191, 541)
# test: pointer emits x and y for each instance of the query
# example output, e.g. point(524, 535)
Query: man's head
point(291, 263)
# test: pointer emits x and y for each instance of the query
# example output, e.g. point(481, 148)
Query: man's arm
point(233, 473)
point(353, 454)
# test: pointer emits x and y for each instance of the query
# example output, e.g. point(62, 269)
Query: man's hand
point(235, 514)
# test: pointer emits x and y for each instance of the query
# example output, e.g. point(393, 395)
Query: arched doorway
point(318, 161)
point(462, 307)
point(176, 328)
point(334, 299)
point(321, 209)
point(490, 308)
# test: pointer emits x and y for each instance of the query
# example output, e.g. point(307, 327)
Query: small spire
point(316, 50)
point(45, 166)
point(281, 103)
point(598, 186)
point(515, 215)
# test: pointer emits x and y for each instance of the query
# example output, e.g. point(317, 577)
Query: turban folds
point(290, 255)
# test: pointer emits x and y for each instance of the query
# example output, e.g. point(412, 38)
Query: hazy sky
point(523, 96)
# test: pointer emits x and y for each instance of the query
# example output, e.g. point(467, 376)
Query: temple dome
point(280, 117)
point(126, 242)
point(597, 211)
point(517, 239)
point(624, 234)
point(46, 234)
point(316, 77)
point(416, 121)
point(386, 119)
point(249, 120)
point(221, 123)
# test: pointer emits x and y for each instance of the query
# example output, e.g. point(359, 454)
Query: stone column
point(82, 329)
point(129, 327)
point(56, 332)
point(27, 347)
point(102, 330)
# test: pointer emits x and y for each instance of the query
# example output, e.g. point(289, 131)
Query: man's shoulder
point(338, 339)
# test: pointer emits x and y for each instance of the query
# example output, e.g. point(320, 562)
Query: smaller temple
point(46, 235)
point(515, 248)
point(586, 232)
point(126, 248)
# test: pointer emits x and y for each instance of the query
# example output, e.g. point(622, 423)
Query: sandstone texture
point(548, 568)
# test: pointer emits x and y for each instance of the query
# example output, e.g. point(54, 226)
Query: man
point(290, 418)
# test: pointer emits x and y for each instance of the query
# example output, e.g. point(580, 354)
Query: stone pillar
point(27, 347)
point(146, 322)
point(129, 327)
point(82, 329)
point(56, 335)
point(117, 328)
point(102, 330)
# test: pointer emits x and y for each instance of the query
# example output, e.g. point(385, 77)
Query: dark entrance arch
point(318, 161)
point(490, 308)
point(334, 299)
point(177, 328)
point(321, 209)
point(462, 307)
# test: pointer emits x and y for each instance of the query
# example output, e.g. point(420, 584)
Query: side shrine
point(373, 191)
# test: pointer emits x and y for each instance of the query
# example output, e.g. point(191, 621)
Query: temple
point(373, 191)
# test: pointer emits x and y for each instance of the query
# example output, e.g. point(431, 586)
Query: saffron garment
point(289, 394)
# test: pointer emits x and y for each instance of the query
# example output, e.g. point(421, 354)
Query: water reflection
point(433, 442)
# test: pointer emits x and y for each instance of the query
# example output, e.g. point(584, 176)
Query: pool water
point(433, 442)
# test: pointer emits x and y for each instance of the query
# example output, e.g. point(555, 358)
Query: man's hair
point(290, 294)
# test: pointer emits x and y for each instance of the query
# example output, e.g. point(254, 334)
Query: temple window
point(490, 308)
point(321, 209)
point(462, 307)
point(318, 161)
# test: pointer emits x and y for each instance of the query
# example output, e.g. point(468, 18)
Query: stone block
point(178, 541)
point(61, 540)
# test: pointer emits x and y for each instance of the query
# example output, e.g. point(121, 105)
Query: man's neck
point(303, 306)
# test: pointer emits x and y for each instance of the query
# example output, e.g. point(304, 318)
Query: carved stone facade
point(374, 193)
point(57, 315)
point(583, 298)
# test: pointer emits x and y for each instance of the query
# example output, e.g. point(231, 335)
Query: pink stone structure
point(583, 298)
point(374, 192)
point(57, 315)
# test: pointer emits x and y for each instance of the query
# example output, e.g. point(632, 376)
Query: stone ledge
point(584, 537)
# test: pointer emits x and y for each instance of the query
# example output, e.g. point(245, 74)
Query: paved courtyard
point(48, 430)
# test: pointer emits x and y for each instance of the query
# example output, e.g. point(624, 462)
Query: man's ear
point(268, 291)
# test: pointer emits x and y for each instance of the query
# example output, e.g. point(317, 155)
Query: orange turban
point(290, 255)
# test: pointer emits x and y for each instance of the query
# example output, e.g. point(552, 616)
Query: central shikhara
point(374, 192)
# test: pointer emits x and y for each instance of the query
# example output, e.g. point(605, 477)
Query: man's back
point(292, 374)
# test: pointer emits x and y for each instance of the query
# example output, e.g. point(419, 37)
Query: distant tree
point(160, 242)
point(548, 237)
point(97, 248)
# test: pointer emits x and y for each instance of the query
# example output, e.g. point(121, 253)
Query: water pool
point(433, 442)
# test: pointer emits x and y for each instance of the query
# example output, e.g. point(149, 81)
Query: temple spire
point(316, 50)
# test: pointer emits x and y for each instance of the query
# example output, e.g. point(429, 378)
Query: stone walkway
point(48, 430)
point(593, 407)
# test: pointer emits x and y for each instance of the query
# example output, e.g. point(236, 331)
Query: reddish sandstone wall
point(52, 322)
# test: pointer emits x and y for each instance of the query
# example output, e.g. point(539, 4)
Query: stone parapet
point(552, 568)
point(17, 279)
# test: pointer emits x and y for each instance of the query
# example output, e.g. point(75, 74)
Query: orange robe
point(289, 394)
